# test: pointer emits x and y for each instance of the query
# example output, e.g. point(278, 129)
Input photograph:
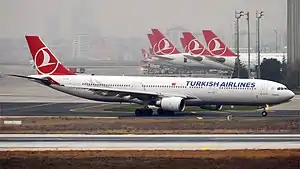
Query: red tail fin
point(152, 40)
point(44, 60)
point(215, 45)
point(193, 45)
point(163, 46)
point(184, 45)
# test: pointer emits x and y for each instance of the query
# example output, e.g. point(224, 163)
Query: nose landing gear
point(264, 113)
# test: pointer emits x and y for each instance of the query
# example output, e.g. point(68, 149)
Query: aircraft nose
point(290, 94)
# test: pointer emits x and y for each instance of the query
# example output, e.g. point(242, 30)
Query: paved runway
point(146, 142)
point(98, 110)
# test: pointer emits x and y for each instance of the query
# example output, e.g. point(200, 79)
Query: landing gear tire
point(148, 112)
point(143, 112)
point(162, 112)
point(138, 112)
point(264, 113)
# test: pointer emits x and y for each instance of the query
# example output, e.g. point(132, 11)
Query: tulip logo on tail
point(44, 63)
point(216, 47)
point(163, 47)
point(195, 48)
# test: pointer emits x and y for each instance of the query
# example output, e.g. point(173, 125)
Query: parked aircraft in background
point(218, 48)
point(193, 46)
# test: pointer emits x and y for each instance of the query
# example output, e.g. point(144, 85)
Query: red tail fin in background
point(162, 46)
point(194, 46)
point(44, 60)
point(152, 40)
point(184, 45)
point(215, 45)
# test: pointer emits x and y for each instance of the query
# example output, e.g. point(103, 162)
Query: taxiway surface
point(146, 142)
point(97, 110)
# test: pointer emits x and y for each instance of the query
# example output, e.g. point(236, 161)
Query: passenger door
point(263, 92)
point(137, 86)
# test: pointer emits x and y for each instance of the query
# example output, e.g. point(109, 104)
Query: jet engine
point(211, 107)
point(176, 104)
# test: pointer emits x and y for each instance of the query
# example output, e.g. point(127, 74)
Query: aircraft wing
point(130, 94)
point(118, 93)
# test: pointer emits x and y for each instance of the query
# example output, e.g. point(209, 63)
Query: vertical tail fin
point(44, 60)
point(162, 46)
point(193, 45)
point(152, 40)
point(183, 43)
point(215, 45)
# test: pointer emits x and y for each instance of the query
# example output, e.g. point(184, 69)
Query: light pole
point(238, 15)
point(276, 37)
point(248, 24)
point(258, 16)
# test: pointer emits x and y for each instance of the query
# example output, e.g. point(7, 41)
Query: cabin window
point(282, 88)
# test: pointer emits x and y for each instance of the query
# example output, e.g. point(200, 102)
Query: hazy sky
point(125, 18)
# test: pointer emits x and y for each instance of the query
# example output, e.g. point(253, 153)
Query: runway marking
point(88, 107)
point(205, 148)
point(87, 117)
point(7, 122)
point(28, 107)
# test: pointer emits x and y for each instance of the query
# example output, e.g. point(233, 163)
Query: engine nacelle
point(211, 107)
point(176, 104)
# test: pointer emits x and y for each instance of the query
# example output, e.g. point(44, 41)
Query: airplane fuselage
point(204, 90)
point(230, 61)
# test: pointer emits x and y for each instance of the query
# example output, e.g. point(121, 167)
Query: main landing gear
point(149, 112)
point(162, 112)
point(143, 112)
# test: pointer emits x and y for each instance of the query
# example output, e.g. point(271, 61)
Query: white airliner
point(169, 94)
point(213, 42)
point(168, 54)
point(194, 47)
